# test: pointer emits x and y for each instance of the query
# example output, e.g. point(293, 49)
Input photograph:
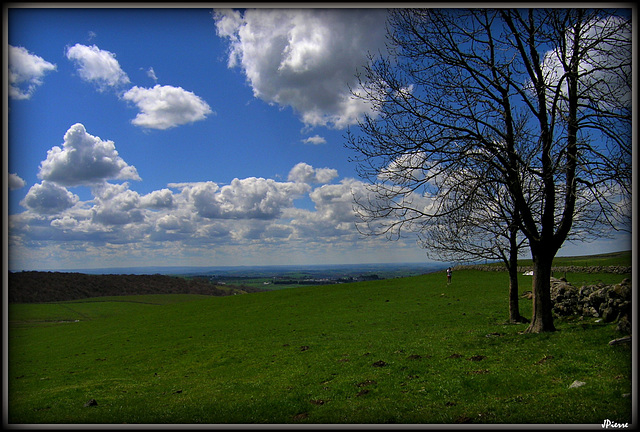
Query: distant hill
point(622, 258)
point(43, 287)
point(318, 270)
point(612, 259)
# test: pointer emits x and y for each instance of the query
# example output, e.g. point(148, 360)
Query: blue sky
point(189, 137)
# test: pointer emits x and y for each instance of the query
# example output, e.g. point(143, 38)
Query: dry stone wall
point(608, 302)
point(611, 303)
point(560, 269)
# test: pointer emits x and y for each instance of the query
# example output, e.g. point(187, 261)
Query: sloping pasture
point(409, 350)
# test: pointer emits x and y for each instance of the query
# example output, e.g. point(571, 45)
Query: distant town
point(287, 280)
point(276, 277)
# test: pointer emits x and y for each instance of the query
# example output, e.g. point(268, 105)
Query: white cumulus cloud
point(26, 72)
point(116, 205)
point(249, 198)
point(48, 198)
point(84, 159)
point(152, 74)
point(408, 167)
point(160, 199)
point(335, 202)
point(16, 182)
point(305, 173)
point(334, 217)
point(315, 140)
point(305, 59)
point(164, 107)
point(606, 69)
point(97, 66)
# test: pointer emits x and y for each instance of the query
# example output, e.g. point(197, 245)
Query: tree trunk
point(542, 319)
point(512, 266)
point(514, 297)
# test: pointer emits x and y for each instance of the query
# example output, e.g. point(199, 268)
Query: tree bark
point(512, 266)
point(542, 319)
point(514, 297)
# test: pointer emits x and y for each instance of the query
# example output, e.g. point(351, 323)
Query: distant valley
point(51, 286)
point(397, 269)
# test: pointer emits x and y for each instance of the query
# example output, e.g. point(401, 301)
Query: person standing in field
point(449, 273)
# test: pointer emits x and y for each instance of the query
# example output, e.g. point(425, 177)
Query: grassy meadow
point(408, 350)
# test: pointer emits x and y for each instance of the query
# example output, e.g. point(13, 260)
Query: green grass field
point(409, 350)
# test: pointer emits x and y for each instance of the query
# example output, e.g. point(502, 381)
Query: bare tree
point(538, 98)
point(485, 228)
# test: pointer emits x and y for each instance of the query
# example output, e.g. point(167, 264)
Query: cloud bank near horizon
point(250, 213)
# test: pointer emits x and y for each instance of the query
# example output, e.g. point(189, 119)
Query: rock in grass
point(300, 416)
point(543, 359)
point(477, 358)
point(577, 384)
point(91, 403)
point(620, 340)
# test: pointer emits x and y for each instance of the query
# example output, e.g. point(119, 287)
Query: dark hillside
point(42, 287)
